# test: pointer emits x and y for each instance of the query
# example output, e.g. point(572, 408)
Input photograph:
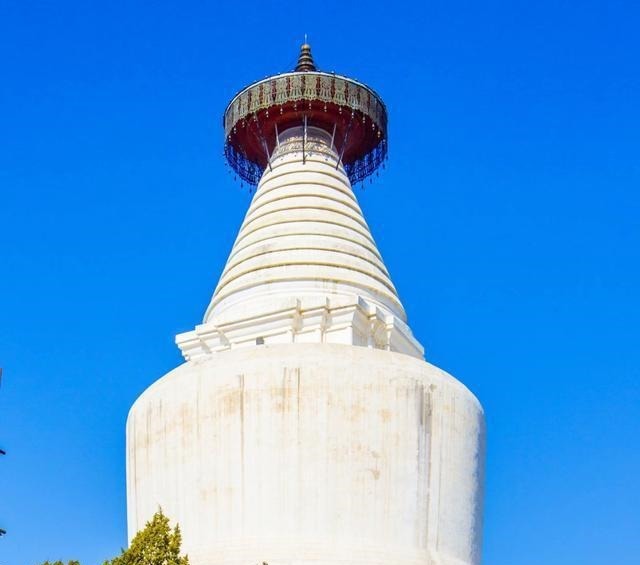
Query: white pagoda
point(304, 426)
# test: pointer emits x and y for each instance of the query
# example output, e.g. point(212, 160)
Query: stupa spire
point(304, 267)
point(305, 59)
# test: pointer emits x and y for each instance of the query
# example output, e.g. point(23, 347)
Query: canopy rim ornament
point(350, 111)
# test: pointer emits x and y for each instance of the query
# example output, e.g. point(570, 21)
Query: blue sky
point(508, 216)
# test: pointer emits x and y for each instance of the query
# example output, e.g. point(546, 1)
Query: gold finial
point(305, 60)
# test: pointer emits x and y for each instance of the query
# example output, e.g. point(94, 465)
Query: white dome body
point(305, 426)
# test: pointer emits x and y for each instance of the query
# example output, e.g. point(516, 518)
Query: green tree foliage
point(61, 563)
point(156, 544)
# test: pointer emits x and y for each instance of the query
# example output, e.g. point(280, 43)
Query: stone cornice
point(306, 320)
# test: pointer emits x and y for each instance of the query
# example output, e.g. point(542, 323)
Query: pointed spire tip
point(305, 59)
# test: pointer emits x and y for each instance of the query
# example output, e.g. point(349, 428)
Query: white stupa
point(305, 426)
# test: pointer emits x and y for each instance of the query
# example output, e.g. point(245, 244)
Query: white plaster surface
point(310, 453)
point(305, 426)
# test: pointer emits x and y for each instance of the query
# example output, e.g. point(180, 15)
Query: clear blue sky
point(509, 218)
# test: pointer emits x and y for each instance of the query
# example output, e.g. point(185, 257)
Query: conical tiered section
point(304, 235)
point(304, 266)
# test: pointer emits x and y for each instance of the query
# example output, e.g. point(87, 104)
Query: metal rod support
point(304, 140)
point(263, 141)
point(344, 141)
